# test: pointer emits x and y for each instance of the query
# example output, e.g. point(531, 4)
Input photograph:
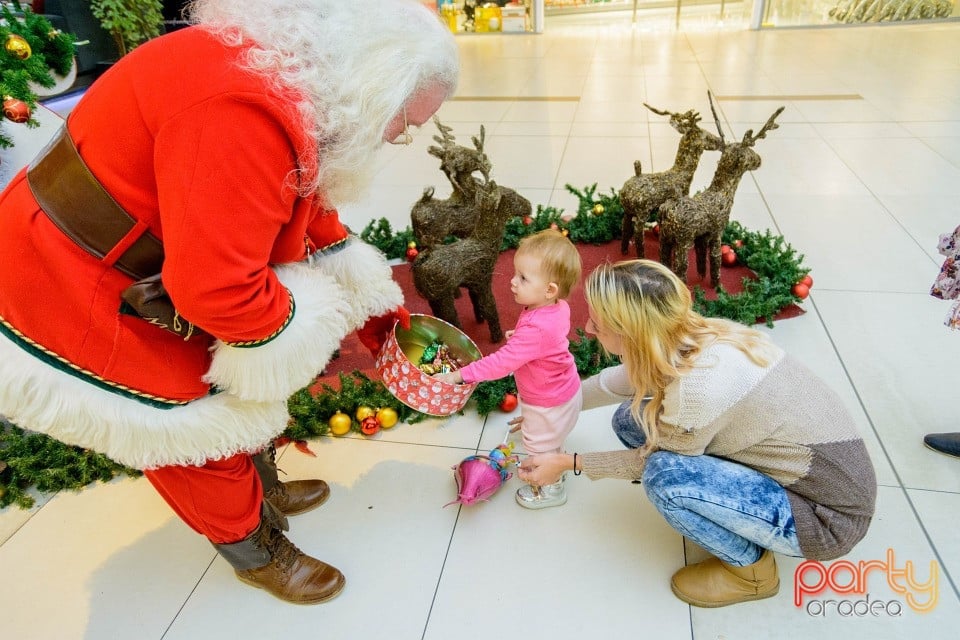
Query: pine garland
point(37, 460)
point(50, 50)
point(33, 459)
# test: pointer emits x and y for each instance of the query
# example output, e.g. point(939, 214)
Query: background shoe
point(946, 443)
point(551, 495)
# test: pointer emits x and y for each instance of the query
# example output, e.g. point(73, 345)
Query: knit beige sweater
point(781, 420)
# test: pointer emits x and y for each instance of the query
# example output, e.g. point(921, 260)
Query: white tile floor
point(861, 186)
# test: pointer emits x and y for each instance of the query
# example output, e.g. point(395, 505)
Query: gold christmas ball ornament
point(411, 245)
point(17, 46)
point(340, 424)
point(597, 209)
point(387, 417)
point(364, 411)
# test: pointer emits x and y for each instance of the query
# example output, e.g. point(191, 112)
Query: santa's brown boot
point(267, 560)
point(290, 498)
point(714, 583)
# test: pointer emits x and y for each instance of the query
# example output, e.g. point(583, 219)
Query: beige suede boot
point(714, 583)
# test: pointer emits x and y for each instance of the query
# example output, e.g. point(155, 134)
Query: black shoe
point(947, 443)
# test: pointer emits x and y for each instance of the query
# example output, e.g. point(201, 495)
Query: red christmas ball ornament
point(412, 254)
point(369, 425)
point(729, 258)
point(509, 403)
point(800, 290)
point(807, 280)
point(738, 243)
point(725, 248)
point(527, 220)
point(16, 110)
point(655, 228)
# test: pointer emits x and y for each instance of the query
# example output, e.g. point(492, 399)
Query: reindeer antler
point(716, 118)
point(657, 111)
point(749, 139)
point(479, 143)
point(445, 131)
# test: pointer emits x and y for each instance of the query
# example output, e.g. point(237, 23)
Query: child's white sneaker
point(551, 495)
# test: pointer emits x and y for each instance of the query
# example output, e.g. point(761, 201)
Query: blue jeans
point(732, 511)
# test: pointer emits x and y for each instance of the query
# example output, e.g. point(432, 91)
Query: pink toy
point(478, 477)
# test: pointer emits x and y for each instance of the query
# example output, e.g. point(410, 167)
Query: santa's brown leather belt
point(78, 204)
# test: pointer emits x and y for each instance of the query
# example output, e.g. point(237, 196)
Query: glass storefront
point(502, 16)
point(795, 13)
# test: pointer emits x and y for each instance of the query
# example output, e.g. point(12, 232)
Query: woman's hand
point(544, 468)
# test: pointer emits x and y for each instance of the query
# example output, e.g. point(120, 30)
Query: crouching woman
point(741, 448)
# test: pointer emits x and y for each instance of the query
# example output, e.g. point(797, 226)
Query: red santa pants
point(220, 500)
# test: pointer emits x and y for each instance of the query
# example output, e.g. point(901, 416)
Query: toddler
point(537, 352)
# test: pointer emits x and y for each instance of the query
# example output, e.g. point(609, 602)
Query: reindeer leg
point(475, 301)
point(626, 231)
point(700, 247)
point(680, 252)
point(444, 308)
point(666, 246)
point(488, 307)
point(638, 230)
point(715, 260)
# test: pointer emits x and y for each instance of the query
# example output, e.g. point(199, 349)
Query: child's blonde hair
point(559, 258)
point(650, 309)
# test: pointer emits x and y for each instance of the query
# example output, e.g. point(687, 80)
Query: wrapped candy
point(438, 359)
point(478, 477)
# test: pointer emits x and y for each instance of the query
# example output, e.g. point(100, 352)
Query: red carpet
point(354, 356)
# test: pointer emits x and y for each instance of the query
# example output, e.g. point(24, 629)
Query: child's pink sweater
point(537, 354)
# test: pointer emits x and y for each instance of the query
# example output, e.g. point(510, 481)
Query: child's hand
point(508, 333)
point(450, 378)
point(515, 424)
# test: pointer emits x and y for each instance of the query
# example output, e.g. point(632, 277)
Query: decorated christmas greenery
point(363, 405)
point(32, 52)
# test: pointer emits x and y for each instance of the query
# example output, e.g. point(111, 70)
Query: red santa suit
point(207, 156)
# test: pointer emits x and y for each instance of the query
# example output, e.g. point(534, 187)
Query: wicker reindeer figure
point(642, 195)
point(699, 221)
point(475, 214)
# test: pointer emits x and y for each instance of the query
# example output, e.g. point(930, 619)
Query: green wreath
point(30, 459)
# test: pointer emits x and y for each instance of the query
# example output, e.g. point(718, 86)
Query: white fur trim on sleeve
point(362, 270)
point(274, 370)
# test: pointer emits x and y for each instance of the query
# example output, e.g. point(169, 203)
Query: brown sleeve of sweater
point(625, 465)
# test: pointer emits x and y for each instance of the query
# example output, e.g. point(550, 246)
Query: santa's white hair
point(356, 62)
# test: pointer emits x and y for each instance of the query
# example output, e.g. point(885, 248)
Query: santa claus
point(174, 266)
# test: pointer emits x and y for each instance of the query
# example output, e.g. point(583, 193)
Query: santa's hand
point(373, 334)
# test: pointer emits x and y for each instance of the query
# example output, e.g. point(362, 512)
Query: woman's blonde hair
point(355, 62)
point(559, 258)
point(651, 310)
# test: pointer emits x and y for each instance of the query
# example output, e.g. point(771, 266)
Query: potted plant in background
point(129, 22)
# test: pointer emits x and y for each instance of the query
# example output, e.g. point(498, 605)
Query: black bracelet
point(575, 471)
